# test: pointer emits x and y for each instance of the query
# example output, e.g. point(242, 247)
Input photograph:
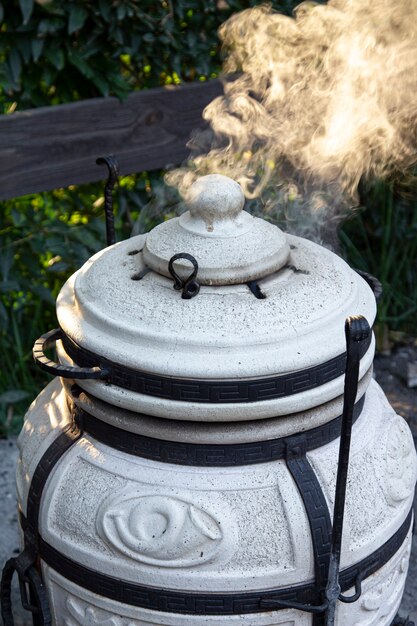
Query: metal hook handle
point(358, 587)
point(56, 369)
point(357, 331)
point(32, 591)
point(373, 282)
point(190, 287)
point(113, 167)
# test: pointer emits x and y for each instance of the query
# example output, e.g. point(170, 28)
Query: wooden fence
point(57, 146)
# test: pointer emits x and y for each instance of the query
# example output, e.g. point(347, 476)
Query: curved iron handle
point(373, 282)
point(357, 331)
point(36, 601)
point(66, 371)
point(190, 287)
point(113, 169)
point(358, 587)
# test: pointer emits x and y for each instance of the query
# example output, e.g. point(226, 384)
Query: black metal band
point(207, 455)
point(26, 564)
point(182, 602)
point(210, 391)
point(52, 455)
point(317, 513)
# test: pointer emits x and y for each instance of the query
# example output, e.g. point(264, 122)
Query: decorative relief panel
point(381, 600)
point(80, 614)
point(158, 530)
point(401, 463)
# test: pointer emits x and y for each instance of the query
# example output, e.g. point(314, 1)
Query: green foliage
point(64, 50)
point(44, 238)
point(382, 239)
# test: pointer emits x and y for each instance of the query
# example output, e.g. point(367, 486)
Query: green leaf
point(9, 285)
point(121, 12)
point(56, 57)
point(105, 9)
point(37, 47)
point(26, 6)
point(101, 84)
point(77, 61)
point(25, 49)
point(15, 65)
point(13, 396)
point(118, 35)
point(48, 75)
point(3, 316)
point(77, 17)
point(18, 217)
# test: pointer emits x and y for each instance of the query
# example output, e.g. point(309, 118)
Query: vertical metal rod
point(113, 168)
point(357, 330)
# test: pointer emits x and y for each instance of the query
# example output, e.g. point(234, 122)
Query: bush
point(60, 51)
point(382, 239)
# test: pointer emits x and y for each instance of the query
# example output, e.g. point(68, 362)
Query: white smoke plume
point(312, 104)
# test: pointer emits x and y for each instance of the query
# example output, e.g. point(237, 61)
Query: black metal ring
point(212, 391)
point(66, 371)
point(206, 455)
point(373, 282)
point(190, 287)
point(216, 603)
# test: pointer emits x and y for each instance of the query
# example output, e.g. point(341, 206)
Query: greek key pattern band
point(206, 455)
point(317, 512)
point(182, 602)
point(210, 391)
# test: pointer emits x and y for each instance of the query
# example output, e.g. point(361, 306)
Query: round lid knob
point(215, 207)
point(230, 245)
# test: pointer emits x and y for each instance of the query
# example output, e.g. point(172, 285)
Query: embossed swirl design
point(81, 615)
point(401, 463)
point(159, 530)
point(379, 601)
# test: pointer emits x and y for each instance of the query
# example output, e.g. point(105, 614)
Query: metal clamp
point(56, 369)
point(32, 591)
point(190, 287)
point(362, 575)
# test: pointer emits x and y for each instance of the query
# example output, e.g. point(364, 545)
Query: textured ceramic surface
point(218, 432)
point(214, 529)
point(224, 333)
point(231, 246)
point(73, 606)
point(217, 412)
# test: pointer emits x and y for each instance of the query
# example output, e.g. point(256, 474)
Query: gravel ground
point(391, 374)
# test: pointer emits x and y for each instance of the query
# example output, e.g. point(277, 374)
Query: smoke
point(311, 105)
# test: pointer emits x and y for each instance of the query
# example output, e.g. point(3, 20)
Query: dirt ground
point(391, 373)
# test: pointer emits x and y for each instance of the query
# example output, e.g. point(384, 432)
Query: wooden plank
point(51, 147)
